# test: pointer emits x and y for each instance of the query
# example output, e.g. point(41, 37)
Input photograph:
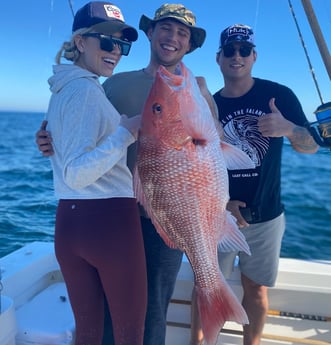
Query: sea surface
point(27, 204)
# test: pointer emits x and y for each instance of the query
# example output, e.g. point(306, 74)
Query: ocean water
point(27, 204)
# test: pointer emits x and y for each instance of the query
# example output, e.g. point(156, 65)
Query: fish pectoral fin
point(236, 159)
point(232, 239)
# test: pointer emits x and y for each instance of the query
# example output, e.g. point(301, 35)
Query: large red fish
point(181, 180)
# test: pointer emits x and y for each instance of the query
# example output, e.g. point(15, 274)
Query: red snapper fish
point(181, 181)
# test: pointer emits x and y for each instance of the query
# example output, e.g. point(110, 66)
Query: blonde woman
point(98, 239)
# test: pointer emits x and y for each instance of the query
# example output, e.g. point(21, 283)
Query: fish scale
point(181, 181)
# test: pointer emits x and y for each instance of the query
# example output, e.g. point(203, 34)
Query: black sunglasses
point(230, 50)
point(107, 42)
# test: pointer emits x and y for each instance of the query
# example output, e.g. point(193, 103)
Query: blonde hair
point(69, 49)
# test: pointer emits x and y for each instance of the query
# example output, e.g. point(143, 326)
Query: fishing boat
point(35, 308)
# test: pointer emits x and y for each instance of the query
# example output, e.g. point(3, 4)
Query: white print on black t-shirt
point(241, 130)
point(244, 175)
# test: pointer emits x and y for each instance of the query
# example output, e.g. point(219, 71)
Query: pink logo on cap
point(114, 12)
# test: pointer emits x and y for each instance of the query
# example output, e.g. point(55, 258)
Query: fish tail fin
point(215, 308)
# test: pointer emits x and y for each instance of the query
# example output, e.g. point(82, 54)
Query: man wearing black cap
point(256, 114)
point(172, 34)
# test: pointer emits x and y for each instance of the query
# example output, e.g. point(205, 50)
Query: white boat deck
point(31, 278)
point(310, 322)
point(278, 330)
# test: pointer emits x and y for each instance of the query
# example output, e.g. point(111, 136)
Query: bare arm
point(275, 125)
point(302, 141)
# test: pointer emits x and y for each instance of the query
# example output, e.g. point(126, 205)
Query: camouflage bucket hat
point(181, 14)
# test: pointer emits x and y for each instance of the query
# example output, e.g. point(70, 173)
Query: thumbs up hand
point(274, 123)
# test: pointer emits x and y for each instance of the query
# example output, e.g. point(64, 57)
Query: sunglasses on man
point(107, 42)
point(230, 50)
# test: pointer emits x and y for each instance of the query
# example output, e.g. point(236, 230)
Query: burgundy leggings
point(99, 246)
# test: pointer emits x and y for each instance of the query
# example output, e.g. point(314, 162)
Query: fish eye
point(157, 108)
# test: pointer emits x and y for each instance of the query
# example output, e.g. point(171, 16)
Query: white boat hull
point(41, 312)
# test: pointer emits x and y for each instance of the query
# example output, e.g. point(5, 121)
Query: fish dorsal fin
point(196, 114)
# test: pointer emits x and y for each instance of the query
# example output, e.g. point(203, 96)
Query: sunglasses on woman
point(107, 42)
point(230, 50)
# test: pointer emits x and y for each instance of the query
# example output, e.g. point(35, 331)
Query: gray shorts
point(264, 240)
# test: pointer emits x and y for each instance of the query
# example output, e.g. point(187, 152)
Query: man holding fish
point(172, 34)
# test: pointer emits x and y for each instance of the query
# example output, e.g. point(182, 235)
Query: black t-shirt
point(258, 187)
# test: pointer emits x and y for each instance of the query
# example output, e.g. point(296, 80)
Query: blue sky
point(32, 33)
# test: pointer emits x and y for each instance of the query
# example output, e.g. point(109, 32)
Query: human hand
point(274, 124)
point(234, 207)
point(44, 140)
point(132, 124)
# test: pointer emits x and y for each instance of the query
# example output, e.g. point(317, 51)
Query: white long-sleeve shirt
point(90, 147)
